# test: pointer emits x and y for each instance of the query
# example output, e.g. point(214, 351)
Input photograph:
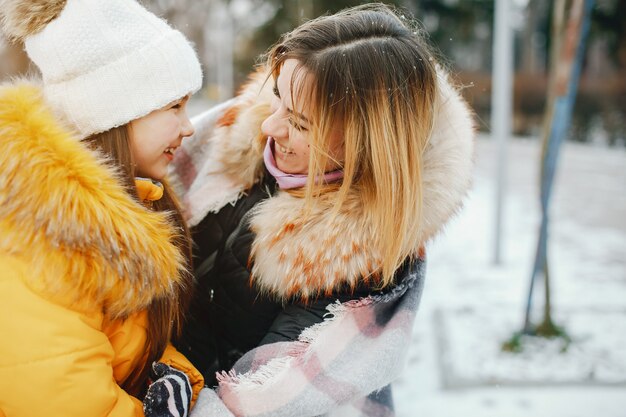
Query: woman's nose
point(275, 126)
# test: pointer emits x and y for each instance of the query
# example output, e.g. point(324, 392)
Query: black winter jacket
point(228, 316)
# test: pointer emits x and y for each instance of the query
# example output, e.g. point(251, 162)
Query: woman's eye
point(296, 126)
point(275, 91)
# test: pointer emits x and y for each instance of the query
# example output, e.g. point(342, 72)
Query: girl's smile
point(169, 152)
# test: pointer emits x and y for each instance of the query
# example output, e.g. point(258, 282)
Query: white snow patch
point(483, 304)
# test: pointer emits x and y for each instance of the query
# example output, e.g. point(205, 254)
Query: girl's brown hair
point(374, 77)
point(165, 315)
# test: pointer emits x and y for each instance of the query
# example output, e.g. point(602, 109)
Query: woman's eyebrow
point(298, 115)
point(276, 92)
point(290, 111)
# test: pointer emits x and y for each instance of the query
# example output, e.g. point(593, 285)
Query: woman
point(338, 169)
point(93, 250)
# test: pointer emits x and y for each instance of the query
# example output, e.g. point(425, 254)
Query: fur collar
point(88, 244)
point(293, 258)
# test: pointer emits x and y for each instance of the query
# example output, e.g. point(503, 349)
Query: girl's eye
point(275, 91)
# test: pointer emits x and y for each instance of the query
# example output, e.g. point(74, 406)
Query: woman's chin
point(290, 169)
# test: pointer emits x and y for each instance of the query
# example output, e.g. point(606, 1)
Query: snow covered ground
point(470, 306)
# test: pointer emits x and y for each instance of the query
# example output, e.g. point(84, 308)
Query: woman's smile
point(290, 124)
point(282, 151)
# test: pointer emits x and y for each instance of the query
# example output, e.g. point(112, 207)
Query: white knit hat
point(104, 62)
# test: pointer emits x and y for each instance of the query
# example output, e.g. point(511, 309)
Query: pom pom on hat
point(22, 18)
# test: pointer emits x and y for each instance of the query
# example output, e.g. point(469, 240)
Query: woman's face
point(289, 123)
point(155, 137)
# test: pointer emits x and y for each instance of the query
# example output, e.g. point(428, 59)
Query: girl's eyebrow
point(182, 99)
point(179, 101)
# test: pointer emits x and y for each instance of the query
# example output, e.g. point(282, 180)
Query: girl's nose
point(187, 128)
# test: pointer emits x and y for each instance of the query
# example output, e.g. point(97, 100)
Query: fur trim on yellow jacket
point(79, 262)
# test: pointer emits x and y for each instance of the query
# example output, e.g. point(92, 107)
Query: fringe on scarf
point(300, 348)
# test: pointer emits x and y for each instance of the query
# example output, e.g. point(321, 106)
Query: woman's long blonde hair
point(165, 315)
point(374, 77)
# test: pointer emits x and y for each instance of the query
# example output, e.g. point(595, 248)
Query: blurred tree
point(609, 23)
point(533, 37)
point(453, 25)
point(460, 29)
point(230, 35)
point(288, 15)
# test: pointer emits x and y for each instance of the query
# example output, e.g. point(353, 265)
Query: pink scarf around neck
point(288, 181)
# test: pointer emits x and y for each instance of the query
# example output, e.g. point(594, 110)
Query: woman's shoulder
point(231, 221)
point(299, 315)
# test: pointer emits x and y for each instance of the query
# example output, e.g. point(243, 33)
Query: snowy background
point(470, 306)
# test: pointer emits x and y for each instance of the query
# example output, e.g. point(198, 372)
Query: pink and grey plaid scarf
point(340, 367)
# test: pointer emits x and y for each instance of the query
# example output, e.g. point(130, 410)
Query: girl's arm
point(54, 361)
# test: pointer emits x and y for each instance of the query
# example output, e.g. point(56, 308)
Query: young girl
point(340, 161)
point(93, 271)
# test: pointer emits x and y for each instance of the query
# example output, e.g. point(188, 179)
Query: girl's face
point(155, 137)
point(290, 126)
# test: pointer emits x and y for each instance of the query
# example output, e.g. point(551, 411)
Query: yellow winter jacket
point(79, 262)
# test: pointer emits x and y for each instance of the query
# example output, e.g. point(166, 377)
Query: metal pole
point(501, 106)
point(567, 74)
point(225, 69)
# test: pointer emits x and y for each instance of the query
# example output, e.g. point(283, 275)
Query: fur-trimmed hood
point(303, 256)
point(88, 244)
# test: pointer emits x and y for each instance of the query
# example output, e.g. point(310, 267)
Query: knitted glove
point(170, 393)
